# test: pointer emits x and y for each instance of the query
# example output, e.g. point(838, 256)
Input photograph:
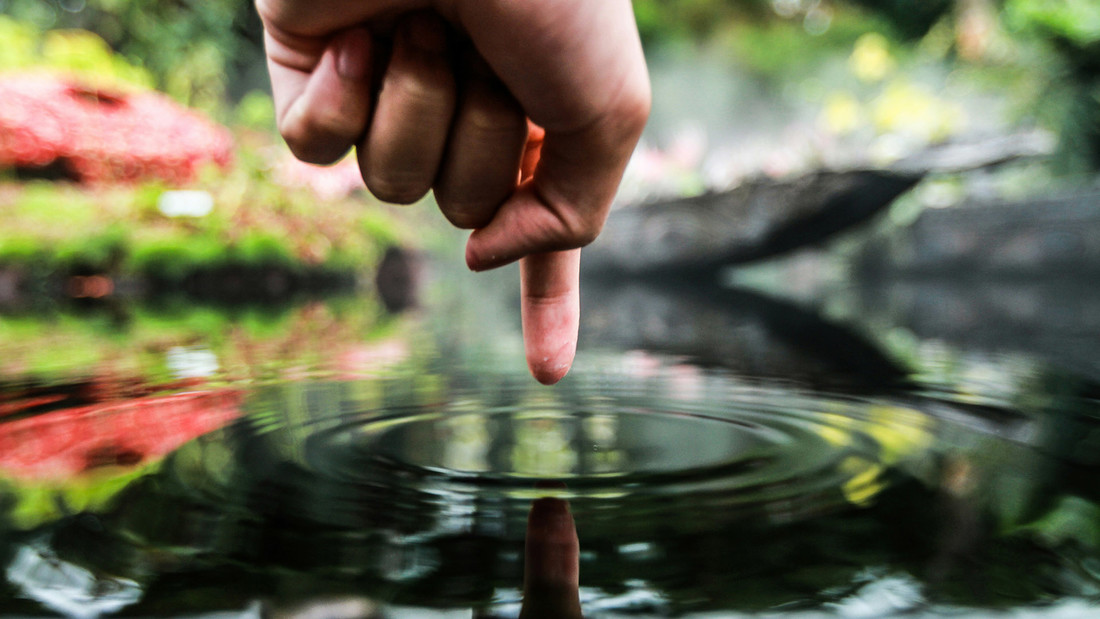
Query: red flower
point(105, 137)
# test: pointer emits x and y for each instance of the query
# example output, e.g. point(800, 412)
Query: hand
point(447, 111)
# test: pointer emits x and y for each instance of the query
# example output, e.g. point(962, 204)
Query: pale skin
point(436, 95)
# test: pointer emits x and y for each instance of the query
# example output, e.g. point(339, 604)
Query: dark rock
point(758, 219)
point(1044, 238)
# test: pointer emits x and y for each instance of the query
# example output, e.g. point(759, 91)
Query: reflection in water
point(1050, 317)
point(721, 453)
point(551, 564)
point(66, 587)
point(744, 331)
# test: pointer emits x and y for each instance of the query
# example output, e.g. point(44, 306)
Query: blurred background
point(138, 140)
point(141, 175)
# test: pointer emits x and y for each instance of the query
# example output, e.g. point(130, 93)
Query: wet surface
point(714, 452)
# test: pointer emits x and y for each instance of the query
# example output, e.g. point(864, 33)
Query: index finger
point(550, 294)
point(550, 311)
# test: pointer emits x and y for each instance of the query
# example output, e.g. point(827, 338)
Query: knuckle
point(312, 151)
point(396, 190)
point(467, 219)
point(316, 139)
point(579, 230)
point(491, 117)
point(429, 89)
point(467, 215)
point(633, 108)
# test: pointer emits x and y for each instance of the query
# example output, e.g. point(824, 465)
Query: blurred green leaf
point(1076, 20)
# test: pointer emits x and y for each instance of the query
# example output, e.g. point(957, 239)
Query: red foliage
point(67, 442)
point(104, 137)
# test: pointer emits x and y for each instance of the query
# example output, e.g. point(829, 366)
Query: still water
point(715, 452)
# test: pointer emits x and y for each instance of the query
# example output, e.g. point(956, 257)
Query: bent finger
point(402, 151)
point(484, 152)
point(550, 312)
point(322, 105)
point(565, 204)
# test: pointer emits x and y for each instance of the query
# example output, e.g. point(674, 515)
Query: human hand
point(447, 111)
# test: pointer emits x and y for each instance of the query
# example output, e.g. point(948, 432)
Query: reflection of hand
point(450, 116)
point(551, 575)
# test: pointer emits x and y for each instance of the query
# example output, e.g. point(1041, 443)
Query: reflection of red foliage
point(99, 137)
point(67, 442)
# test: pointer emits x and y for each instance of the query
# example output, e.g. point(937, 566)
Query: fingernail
point(353, 55)
point(426, 32)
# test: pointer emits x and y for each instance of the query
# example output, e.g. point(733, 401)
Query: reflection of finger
point(405, 142)
point(551, 575)
point(550, 290)
point(483, 155)
point(322, 108)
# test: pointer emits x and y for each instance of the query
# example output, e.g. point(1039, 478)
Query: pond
point(715, 452)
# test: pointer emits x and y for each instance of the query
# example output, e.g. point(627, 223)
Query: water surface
point(722, 453)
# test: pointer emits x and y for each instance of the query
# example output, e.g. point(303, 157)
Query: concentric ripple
point(616, 437)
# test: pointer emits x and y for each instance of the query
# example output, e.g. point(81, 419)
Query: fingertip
point(550, 312)
point(473, 259)
point(479, 259)
point(549, 369)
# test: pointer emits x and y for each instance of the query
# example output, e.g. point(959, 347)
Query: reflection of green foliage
point(54, 345)
point(1073, 519)
point(36, 504)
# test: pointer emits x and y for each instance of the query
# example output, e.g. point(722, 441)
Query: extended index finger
point(550, 311)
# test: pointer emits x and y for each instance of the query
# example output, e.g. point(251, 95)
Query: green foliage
point(171, 258)
point(662, 20)
point(20, 48)
point(910, 19)
point(185, 47)
point(1077, 21)
point(783, 47)
point(256, 110)
point(261, 248)
point(98, 252)
point(78, 53)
